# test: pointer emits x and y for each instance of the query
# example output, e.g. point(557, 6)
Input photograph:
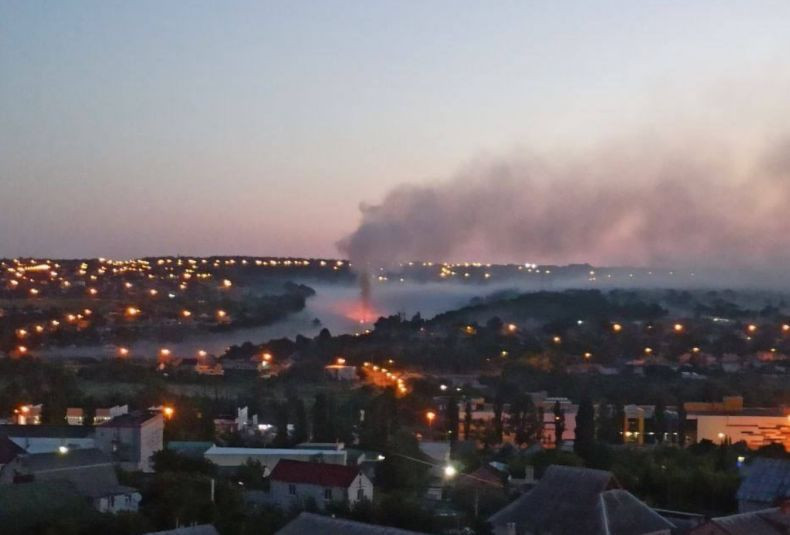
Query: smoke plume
point(640, 202)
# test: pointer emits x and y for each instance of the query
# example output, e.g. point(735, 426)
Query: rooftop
point(90, 471)
point(763, 522)
point(132, 419)
point(766, 481)
point(310, 524)
point(46, 431)
point(569, 500)
point(219, 450)
point(322, 474)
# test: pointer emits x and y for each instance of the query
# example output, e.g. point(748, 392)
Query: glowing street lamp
point(430, 416)
point(678, 327)
point(751, 328)
point(168, 412)
point(450, 471)
point(616, 327)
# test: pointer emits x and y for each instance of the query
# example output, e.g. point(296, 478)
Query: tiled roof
point(764, 522)
point(312, 524)
point(322, 474)
point(624, 514)
point(90, 471)
point(566, 501)
point(132, 419)
point(766, 481)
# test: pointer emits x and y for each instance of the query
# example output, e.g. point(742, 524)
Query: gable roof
point(625, 514)
point(8, 450)
point(763, 522)
point(202, 529)
point(310, 524)
point(566, 500)
point(90, 471)
point(322, 474)
point(767, 480)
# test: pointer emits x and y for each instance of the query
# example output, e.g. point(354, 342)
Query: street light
point(430, 416)
point(450, 471)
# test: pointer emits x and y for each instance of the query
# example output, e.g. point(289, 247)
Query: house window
point(292, 490)
point(360, 494)
point(327, 494)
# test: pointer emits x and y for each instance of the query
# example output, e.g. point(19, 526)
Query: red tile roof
point(321, 474)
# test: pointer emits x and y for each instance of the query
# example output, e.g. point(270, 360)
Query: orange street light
point(430, 416)
point(616, 327)
point(168, 412)
point(678, 327)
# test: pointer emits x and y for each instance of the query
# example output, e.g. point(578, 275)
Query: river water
point(337, 307)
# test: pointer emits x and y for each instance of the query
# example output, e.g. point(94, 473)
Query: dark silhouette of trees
point(584, 442)
point(451, 419)
point(467, 420)
point(559, 423)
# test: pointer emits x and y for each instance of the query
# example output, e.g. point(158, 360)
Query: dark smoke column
point(364, 295)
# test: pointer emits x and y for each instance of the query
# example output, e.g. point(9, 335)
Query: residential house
point(296, 483)
point(766, 483)
point(342, 372)
point(105, 414)
point(75, 416)
point(89, 472)
point(27, 415)
point(311, 524)
point(569, 500)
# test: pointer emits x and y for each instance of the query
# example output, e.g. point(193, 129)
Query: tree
point(301, 431)
point(584, 443)
point(467, 420)
point(451, 419)
point(281, 419)
point(559, 423)
point(324, 419)
point(660, 421)
point(498, 405)
point(682, 424)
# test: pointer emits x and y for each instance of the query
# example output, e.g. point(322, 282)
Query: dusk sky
point(149, 128)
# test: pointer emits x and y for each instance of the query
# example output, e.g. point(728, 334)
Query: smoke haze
point(640, 201)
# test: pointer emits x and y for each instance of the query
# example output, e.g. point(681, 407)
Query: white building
point(131, 439)
point(296, 483)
